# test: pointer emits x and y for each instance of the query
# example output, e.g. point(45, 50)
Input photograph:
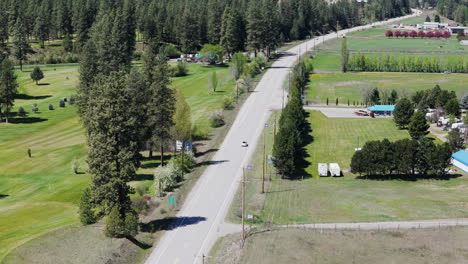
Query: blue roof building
point(382, 109)
point(460, 160)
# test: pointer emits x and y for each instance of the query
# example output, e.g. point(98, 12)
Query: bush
point(51, 107)
point(217, 119)
point(170, 51)
point(119, 226)
point(62, 103)
point(198, 133)
point(140, 205)
point(75, 166)
point(141, 190)
point(87, 215)
point(21, 111)
point(228, 103)
point(137, 55)
point(71, 100)
point(35, 109)
point(180, 69)
point(261, 60)
point(162, 211)
point(184, 161)
point(165, 178)
point(253, 69)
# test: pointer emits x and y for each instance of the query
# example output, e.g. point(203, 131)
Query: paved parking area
point(340, 112)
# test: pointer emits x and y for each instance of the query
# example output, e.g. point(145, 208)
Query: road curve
point(200, 219)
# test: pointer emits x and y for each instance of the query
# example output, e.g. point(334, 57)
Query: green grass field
point(349, 86)
point(41, 193)
point(346, 199)
point(418, 246)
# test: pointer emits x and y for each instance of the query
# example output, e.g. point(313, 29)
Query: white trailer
point(335, 170)
point(323, 169)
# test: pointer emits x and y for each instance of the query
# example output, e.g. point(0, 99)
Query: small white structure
point(464, 42)
point(323, 169)
point(458, 125)
point(335, 170)
point(460, 160)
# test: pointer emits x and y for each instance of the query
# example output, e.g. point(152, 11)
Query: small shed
point(460, 160)
point(335, 170)
point(382, 109)
point(323, 169)
point(464, 42)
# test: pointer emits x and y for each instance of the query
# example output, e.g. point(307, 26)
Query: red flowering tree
point(413, 34)
point(437, 34)
point(405, 34)
point(389, 34)
point(421, 34)
point(446, 34)
point(397, 33)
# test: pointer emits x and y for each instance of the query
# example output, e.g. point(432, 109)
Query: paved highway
point(201, 219)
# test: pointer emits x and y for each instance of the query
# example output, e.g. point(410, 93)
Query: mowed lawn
point(346, 199)
point(349, 86)
point(41, 193)
point(298, 245)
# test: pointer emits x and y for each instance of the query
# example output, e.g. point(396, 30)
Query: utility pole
point(203, 259)
point(263, 164)
point(243, 205)
point(274, 132)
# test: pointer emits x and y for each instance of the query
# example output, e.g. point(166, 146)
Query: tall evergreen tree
point(8, 88)
point(20, 42)
point(404, 110)
point(418, 126)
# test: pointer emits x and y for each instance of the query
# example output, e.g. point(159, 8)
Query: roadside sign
point(249, 167)
point(171, 200)
point(267, 125)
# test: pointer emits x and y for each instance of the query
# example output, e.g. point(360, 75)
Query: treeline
point(406, 63)
point(454, 9)
point(404, 157)
point(237, 25)
point(288, 149)
point(124, 109)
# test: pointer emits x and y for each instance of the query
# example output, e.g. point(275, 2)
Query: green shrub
point(141, 190)
point(216, 119)
point(75, 166)
point(184, 161)
point(228, 103)
point(140, 205)
point(261, 60)
point(71, 100)
point(170, 51)
point(180, 69)
point(62, 103)
point(253, 69)
point(35, 109)
point(86, 212)
point(51, 107)
point(21, 111)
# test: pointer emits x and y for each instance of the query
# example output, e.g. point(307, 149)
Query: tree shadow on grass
point(26, 120)
point(198, 154)
point(410, 177)
point(3, 196)
point(210, 162)
point(170, 223)
point(43, 84)
point(303, 164)
point(143, 177)
point(31, 97)
point(139, 244)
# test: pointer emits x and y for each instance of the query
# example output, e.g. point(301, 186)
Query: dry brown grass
point(446, 245)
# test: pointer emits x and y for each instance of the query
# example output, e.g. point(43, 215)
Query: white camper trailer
point(323, 169)
point(335, 170)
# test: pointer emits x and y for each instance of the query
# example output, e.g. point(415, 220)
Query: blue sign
point(171, 200)
point(249, 167)
point(267, 125)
